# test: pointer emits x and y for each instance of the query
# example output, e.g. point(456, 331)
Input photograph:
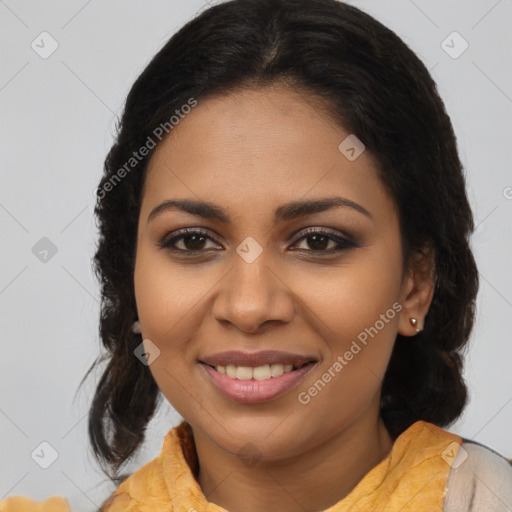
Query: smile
point(251, 385)
point(264, 372)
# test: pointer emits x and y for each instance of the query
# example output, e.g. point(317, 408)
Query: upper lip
point(254, 359)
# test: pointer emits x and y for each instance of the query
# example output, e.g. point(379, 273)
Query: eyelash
point(343, 243)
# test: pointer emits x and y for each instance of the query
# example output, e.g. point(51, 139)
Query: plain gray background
point(58, 117)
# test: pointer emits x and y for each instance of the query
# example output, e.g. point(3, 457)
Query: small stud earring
point(414, 322)
point(136, 327)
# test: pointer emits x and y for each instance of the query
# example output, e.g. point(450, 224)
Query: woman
point(284, 256)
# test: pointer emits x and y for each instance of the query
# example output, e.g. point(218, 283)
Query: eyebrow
point(282, 213)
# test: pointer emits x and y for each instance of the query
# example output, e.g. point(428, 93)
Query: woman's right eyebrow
point(284, 212)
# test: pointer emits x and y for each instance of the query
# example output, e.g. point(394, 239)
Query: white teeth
point(244, 373)
point(262, 372)
point(258, 373)
point(231, 371)
point(276, 370)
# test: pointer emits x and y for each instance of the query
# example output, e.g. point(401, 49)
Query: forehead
point(256, 149)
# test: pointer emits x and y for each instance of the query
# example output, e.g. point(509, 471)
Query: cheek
point(349, 297)
point(167, 295)
point(356, 308)
point(166, 303)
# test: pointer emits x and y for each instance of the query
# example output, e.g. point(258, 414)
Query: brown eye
point(193, 241)
point(318, 241)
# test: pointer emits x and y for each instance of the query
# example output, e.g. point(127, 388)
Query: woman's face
point(258, 281)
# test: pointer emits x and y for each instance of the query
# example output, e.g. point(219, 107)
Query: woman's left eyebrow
point(284, 212)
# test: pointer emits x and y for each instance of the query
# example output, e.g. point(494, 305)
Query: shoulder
point(479, 479)
point(24, 504)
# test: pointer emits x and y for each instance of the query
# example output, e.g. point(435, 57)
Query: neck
point(314, 480)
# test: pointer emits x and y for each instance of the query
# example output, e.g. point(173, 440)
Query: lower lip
point(256, 391)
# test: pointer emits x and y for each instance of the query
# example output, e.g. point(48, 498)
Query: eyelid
point(180, 233)
point(335, 234)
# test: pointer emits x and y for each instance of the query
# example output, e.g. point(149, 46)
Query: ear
point(417, 291)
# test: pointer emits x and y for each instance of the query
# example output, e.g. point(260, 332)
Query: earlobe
point(417, 291)
point(414, 323)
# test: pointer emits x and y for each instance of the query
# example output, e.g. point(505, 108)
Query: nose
point(252, 294)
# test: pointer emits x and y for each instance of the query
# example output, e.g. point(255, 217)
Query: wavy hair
point(374, 86)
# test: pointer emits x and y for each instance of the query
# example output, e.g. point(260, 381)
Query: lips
point(258, 389)
point(255, 377)
point(255, 359)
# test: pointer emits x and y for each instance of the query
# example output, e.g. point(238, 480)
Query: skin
point(250, 152)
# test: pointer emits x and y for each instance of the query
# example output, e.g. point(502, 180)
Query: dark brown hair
point(376, 88)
